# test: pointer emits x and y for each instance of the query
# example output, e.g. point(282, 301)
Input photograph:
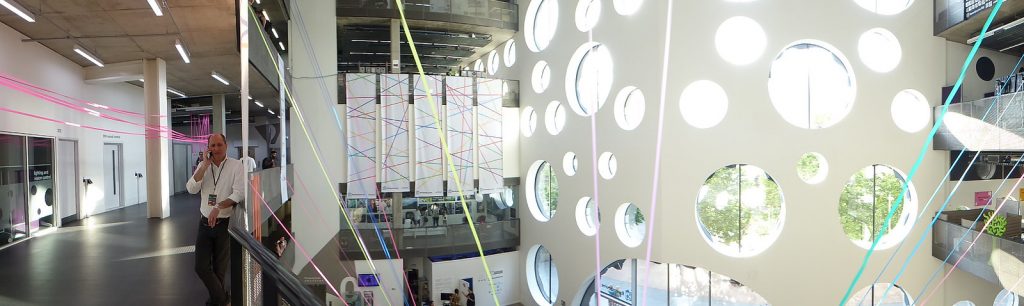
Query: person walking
point(270, 161)
point(219, 181)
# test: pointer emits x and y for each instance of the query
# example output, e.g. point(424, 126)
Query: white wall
point(391, 280)
point(973, 87)
point(812, 262)
point(234, 132)
point(505, 268)
point(40, 66)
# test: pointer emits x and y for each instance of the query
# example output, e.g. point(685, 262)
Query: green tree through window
point(740, 209)
point(547, 189)
point(867, 199)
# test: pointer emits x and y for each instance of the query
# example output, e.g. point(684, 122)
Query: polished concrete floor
point(115, 258)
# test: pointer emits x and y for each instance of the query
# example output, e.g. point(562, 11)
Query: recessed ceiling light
point(274, 31)
point(271, 111)
point(220, 78)
point(181, 50)
point(156, 7)
point(87, 55)
point(258, 103)
point(19, 10)
point(281, 44)
point(265, 16)
point(174, 91)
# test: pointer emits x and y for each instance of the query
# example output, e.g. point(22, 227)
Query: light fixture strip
point(274, 31)
point(156, 7)
point(174, 91)
point(259, 104)
point(18, 10)
point(220, 78)
point(265, 16)
point(282, 45)
point(89, 56)
point(271, 112)
point(181, 50)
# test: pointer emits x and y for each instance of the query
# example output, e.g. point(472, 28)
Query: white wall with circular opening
point(585, 218)
point(885, 7)
point(478, 65)
point(879, 50)
point(554, 118)
point(510, 53)
point(607, 165)
point(910, 111)
point(630, 225)
point(493, 62)
point(588, 12)
point(812, 85)
point(812, 168)
point(894, 296)
point(964, 303)
point(629, 106)
point(542, 191)
point(588, 80)
point(865, 202)
point(540, 24)
point(740, 40)
point(541, 77)
point(627, 7)
point(529, 121)
point(570, 163)
point(740, 210)
point(541, 276)
point(1006, 298)
point(703, 104)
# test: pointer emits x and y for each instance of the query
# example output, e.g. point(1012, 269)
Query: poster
point(981, 198)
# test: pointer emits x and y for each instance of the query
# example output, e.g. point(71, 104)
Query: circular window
point(570, 163)
point(910, 111)
point(510, 53)
point(541, 76)
point(554, 118)
point(627, 7)
point(867, 199)
point(629, 108)
point(542, 191)
point(740, 210)
point(811, 85)
point(541, 22)
point(588, 12)
point(607, 165)
point(812, 168)
point(493, 62)
point(703, 104)
point(740, 40)
point(589, 78)
point(478, 65)
point(885, 7)
point(529, 121)
point(879, 49)
point(964, 303)
point(894, 296)
point(504, 199)
point(585, 217)
point(630, 225)
point(1006, 298)
point(541, 276)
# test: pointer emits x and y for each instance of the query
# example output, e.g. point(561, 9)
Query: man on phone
point(219, 181)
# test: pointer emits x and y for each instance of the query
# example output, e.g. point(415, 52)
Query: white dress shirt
point(230, 184)
point(250, 164)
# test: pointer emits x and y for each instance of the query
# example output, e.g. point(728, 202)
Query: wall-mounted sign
point(981, 198)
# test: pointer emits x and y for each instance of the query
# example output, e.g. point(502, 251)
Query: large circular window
point(812, 85)
point(586, 219)
point(588, 12)
point(541, 77)
point(510, 53)
point(703, 104)
point(493, 62)
point(812, 168)
point(588, 81)
point(630, 225)
point(866, 201)
point(629, 108)
point(627, 7)
point(873, 295)
point(554, 118)
point(529, 121)
point(740, 40)
point(1006, 298)
point(910, 111)
point(885, 7)
point(879, 50)
point(740, 210)
point(542, 191)
point(541, 22)
point(570, 163)
point(541, 276)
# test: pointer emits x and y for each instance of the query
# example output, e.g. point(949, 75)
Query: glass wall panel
point(41, 188)
point(12, 189)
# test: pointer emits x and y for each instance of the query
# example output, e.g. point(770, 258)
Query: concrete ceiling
point(127, 30)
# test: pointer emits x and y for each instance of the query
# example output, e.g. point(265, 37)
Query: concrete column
point(158, 147)
point(396, 46)
point(218, 122)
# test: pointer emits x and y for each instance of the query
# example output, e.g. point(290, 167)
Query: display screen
point(368, 280)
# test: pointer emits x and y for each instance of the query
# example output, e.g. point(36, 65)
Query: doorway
point(68, 205)
point(181, 165)
point(113, 177)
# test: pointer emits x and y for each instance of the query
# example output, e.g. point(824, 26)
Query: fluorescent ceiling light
point(258, 103)
point(281, 44)
point(141, 80)
point(1000, 28)
point(274, 31)
point(265, 16)
point(156, 7)
point(271, 111)
point(220, 78)
point(19, 10)
point(174, 91)
point(73, 124)
point(89, 56)
point(181, 50)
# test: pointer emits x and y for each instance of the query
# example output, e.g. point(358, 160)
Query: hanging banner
point(429, 162)
point(460, 126)
point(361, 131)
point(489, 95)
point(394, 96)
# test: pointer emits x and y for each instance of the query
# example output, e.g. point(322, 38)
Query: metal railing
point(258, 278)
point(981, 126)
point(488, 13)
point(946, 239)
point(433, 240)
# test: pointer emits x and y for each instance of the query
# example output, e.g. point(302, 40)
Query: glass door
point(12, 189)
point(41, 193)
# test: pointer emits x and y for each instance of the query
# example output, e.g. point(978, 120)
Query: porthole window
point(607, 165)
point(541, 77)
point(506, 198)
point(493, 62)
point(529, 121)
point(740, 40)
point(554, 118)
point(588, 12)
point(588, 80)
point(865, 202)
point(541, 22)
point(630, 225)
point(542, 191)
point(585, 218)
point(811, 85)
point(812, 168)
point(740, 210)
point(570, 163)
point(703, 104)
point(510, 53)
point(541, 276)
point(910, 111)
point(622, 283)
point(885, 7)
point(627, 7)
point(895, 296)
point(964, 303)
point(879, 50)
point(478, 65)
point(1006, 298)
point(630, 105)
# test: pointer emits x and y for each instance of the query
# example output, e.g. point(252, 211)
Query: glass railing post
point(237, 277)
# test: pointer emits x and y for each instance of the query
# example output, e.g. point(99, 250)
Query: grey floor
point(115, 258)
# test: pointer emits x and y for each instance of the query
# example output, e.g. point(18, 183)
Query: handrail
point(290, 288)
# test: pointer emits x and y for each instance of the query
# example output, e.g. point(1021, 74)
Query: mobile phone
point(209, 155)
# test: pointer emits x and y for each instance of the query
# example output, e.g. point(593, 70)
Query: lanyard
point(217, 176)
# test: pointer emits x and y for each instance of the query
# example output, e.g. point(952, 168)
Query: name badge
point(211, 200)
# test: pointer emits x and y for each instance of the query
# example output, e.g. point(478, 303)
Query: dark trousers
point(212, 259)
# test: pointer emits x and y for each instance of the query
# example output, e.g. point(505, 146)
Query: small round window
point(554, 118)
point(586, 220)
point(703, 104)
point(607, 165)
point(529, 121)
point(627, 7)
point(881, 294)
point(867, 199)
point(541, 276)
point(588, 12)
point(541, 22)
point(570, 163)
point(812, 168)
point(630, 225)
point(588, 81)
point(542, 191)
point(510, 53)
point(629, 108)
point(740, 40)
point(811, 85)
point(910, 111)
point(885, 7)
point(740, 210)
point(478, 65)
point(879, 50)
point(1006, 298)
point(493, 62)
point(541, 77)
